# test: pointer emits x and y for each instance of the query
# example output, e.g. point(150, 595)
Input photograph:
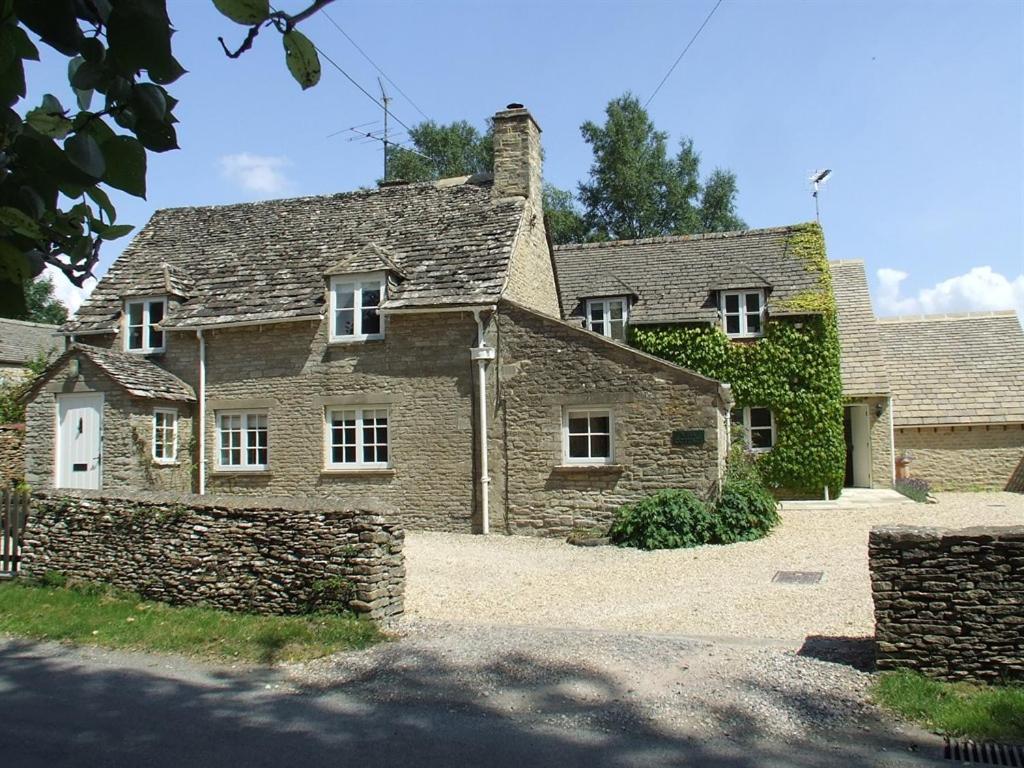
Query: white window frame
point(358, 282)
point(747, 429)
point(147, 327)
point(744, 332)
point(244, 465)
point(590, 411)
point(173, 429)
point(605, 328)
point(360, 444)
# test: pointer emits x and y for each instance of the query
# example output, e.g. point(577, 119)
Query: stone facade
point(127, 434)
point(274, 556)
point(12, 454)
point(950, 604)
point(983, 457)
point(546, 366)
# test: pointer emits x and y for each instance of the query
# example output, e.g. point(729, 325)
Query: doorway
point(857, 431)
point(79, 440)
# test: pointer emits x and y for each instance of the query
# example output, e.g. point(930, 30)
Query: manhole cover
point(797, 577)
point(980, 753)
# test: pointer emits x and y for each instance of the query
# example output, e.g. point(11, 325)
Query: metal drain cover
point(981, 753)
point(797, 577)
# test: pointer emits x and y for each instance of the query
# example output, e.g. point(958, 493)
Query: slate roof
point(267, 260)
point(862, 360)
point(22, 341)
point(674, 277)
point(955, 369)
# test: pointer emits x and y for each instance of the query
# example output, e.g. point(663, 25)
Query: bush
point(666, 520)
point(914, 488)
point(745, 510)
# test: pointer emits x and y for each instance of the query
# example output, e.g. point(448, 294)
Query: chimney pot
point(514, 105)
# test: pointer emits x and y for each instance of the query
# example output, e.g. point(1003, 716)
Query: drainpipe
point(892, 441)
point(482, 354)
point(202, 411)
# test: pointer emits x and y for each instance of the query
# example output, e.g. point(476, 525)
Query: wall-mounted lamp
point(74, 367)
point(879, 410)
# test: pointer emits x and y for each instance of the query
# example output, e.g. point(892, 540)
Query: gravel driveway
point(715, 591)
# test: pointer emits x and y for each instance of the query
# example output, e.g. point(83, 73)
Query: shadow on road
point(63, 707)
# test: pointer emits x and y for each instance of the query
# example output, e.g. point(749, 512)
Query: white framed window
point(743, 313)
point(758, 427)
point(355, 302)
point(141, 318)
point(587, 436)
point(357, 437)
point(242, 440)
point(608, 317)
point(165, 435)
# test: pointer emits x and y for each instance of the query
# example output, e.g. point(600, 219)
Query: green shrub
point(666, 520)
point(745, 511)
point(914, 488)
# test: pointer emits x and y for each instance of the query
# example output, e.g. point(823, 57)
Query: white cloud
point(260, 174)
point(981, 289)
point(71, 296)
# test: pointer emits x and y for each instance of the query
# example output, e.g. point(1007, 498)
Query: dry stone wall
point(276, 556)
point(12, 456)
point(949, 603)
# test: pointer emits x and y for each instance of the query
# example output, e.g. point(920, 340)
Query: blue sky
point(918, 107)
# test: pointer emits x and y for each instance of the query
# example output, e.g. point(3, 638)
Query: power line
point(375, 66)
point(673, 67)
point(368, 95)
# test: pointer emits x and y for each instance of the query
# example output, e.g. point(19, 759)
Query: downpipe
point(482, 354)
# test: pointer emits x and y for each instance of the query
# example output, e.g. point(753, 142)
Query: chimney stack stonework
point(517, 156)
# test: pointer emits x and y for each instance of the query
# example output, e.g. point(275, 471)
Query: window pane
point(753, 323)
point(600, 446)
point(371, 321)
point(597, 313)
point(344, 322)
point(732, 302)
point(577, 425)
point(599, 424)
point(371, 294)
point(761, 438)
point(760, 417)
point(615, 310)
point(732, 323)
point(753, 302)
point(618, 330)
point(350, 454)
point(578, 447)
point(344, 296)
point(736, 415)
point(135, 314)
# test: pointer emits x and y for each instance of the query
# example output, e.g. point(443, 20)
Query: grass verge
point(98, 615)
point(980, 712)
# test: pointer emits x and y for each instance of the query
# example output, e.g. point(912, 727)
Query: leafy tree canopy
point(41, 306)
point(636, 189)
point(58, 161)
point(441, 151)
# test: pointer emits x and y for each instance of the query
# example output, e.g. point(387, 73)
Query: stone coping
point(915, 533)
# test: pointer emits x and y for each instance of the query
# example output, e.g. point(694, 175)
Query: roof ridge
point(683, 238)
point(948, 316)
point(841, 262)
point(29, 323)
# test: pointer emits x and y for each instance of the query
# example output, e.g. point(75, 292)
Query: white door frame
point(85, 398)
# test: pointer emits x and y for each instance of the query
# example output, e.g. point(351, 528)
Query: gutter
point(892, 440)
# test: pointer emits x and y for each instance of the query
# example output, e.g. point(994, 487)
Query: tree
point(442, 151)
point(636, 190)
point(41, 306)
point(561, 216)
point(57, 163)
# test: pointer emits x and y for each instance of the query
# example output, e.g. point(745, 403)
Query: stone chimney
point(517, 161)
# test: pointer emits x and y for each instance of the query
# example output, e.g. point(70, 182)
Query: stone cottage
point(958, 384)
point(403, 343)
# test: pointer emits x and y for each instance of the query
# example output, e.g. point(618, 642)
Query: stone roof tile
point(862, 359)
point(22, 341)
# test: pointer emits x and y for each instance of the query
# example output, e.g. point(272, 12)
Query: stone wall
point(12, 456)
point(547, 366)
point(881, 442)
point(985, 457)
point(271, 556)
point(949, 603)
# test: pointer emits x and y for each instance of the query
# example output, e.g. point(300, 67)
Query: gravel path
point(705, 592)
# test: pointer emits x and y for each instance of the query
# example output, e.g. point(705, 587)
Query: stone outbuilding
point(403, 344)
point(958, 385)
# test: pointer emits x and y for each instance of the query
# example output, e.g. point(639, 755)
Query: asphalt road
point(62, 706)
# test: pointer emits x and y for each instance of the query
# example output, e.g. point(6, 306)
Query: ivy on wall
point(794, 371)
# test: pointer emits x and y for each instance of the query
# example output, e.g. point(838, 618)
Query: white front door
point(79, 440)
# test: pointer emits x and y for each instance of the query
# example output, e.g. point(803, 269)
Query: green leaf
point(49, 123)
point(14, 266)
point(54, 21)
point(149, 102)
point(92, 50)
point(23, 45)
point(139, 35)
point(84, 98)
point(126, 166)
point(247, 12)
point(156, 136)
point(20, 222)
point(102, 199)
point(302, 59)
point(84, 153)
point(84, 75)
point(111, 232)
point(165, 71)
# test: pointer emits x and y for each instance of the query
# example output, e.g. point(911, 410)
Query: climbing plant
point(792, 370)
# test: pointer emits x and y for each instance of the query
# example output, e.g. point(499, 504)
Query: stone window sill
point(360, 472)
point(240, 473)
point(589, 469)
point(158, 463)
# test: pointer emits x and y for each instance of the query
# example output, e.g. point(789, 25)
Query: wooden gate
point(13, 516)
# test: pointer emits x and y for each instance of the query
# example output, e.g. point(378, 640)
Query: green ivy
point(794, 371)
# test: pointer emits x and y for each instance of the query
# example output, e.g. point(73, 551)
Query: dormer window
point(355, 303)
point(743, 313)
point(141, 318)
point(608, 317)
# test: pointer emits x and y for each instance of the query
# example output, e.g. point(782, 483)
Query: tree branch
point(246, 44)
